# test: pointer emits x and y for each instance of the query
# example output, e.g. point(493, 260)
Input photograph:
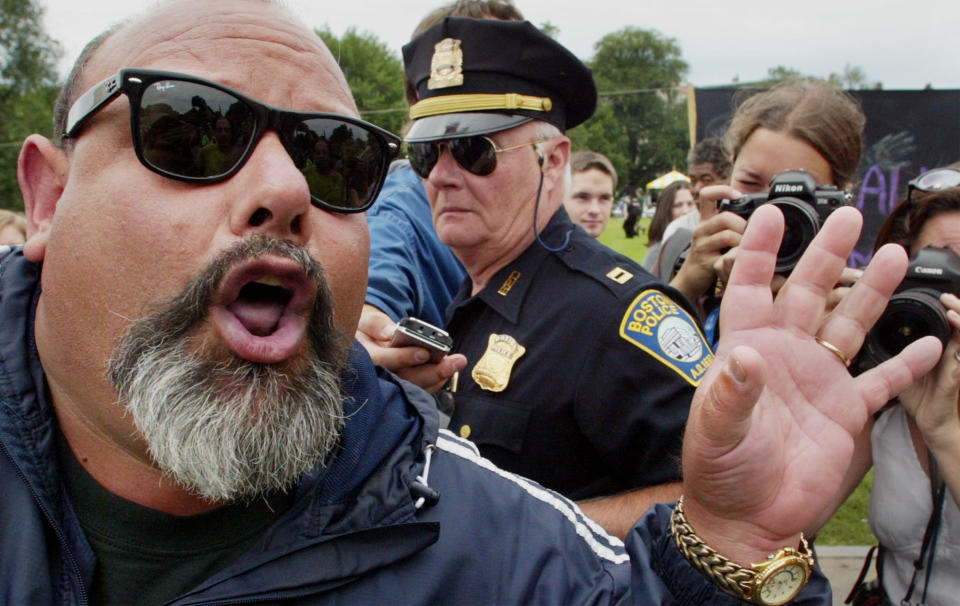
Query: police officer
point(581, 365)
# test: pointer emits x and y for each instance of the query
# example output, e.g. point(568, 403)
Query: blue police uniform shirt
point(581, 367)
point(411, 272)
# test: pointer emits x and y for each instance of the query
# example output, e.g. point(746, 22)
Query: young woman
point(673, 202)
point(803, 125)
point(914, 444)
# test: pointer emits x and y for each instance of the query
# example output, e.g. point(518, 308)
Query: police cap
point(479, 76)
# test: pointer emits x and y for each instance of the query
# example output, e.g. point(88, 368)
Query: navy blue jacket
point(358, 532)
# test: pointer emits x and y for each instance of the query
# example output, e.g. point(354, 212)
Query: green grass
point(635, 248)
point(849, 525)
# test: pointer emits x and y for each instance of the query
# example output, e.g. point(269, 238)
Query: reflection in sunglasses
point(195, 130)
point(477, 154)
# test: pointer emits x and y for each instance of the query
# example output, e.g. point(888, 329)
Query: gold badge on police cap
point(446, 66)
point(492, 371)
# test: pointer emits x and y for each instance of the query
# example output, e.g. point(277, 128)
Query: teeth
point(270, 280)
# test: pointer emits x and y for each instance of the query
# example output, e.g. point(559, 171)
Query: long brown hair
point(661, 217)
point(827, 118)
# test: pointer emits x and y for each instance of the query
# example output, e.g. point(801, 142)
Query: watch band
point(731, 577)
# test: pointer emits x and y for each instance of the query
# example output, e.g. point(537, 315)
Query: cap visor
point(454, 126)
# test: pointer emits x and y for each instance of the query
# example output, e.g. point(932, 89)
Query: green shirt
point(145, 556)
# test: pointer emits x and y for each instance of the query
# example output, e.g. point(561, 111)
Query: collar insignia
point(507, 285)
point(620, 275)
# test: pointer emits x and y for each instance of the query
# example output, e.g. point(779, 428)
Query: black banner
point(907, 133)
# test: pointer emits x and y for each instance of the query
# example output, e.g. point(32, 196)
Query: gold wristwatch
point(774, 581)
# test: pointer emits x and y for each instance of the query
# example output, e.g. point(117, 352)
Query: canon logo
point(930, 271)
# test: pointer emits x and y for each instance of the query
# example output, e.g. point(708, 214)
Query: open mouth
point(260, 305)
point(264, 309)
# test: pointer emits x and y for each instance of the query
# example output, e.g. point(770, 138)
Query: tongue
point(260, 318)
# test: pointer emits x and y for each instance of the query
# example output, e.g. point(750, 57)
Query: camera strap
point(929, 545)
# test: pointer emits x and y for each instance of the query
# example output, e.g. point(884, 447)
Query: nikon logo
point(929, 271)
point(787, 188)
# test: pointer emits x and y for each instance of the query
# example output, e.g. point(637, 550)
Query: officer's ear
point(42, 170)
point(553, 158)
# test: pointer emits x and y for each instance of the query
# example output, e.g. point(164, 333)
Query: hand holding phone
point(417, 333)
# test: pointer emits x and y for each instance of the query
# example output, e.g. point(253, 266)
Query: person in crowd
point(13, 228)
point(589, 201)
point(806, 125)
point(634, 211)
point(675, 201)
point(914, 443)
point(538, 287)
point(707, 164)
point(411, 272)
point(184, 419)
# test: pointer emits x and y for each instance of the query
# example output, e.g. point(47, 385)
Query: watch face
point(780, 585)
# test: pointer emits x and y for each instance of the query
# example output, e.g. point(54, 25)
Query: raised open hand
point(771, 428)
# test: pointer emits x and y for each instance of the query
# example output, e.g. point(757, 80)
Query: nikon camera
point(805, 206)
point(914, 310)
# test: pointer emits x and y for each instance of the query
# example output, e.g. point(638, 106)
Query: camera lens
point(801, 224)
point(910, 315)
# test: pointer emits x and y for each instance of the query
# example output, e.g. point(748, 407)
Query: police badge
point(446, 66)
point(492, 370)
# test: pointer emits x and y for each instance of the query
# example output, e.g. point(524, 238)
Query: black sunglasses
point(477, 154)
point(933, 180)
point(194, 130)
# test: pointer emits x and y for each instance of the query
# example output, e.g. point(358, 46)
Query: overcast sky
point(904, 45)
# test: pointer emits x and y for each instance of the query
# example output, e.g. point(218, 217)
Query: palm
point(773, 467)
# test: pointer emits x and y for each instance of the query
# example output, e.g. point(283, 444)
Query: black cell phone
point(414, 332)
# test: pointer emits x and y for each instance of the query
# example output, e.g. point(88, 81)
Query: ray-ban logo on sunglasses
point(164, 86)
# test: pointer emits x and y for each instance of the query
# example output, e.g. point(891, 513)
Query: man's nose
point(272, 193)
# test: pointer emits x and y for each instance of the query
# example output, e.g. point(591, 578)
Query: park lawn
point(635, 248)
point(849, 525)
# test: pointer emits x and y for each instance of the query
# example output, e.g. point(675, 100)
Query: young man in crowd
point(593, 182)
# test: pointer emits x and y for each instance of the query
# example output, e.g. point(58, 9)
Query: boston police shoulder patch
point(663, 329)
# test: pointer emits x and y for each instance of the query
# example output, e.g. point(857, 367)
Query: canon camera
point(804, 204)
point(914, 310)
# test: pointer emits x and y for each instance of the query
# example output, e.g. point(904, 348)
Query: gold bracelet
point(776, 580)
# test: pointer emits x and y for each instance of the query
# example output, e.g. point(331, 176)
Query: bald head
point(192, 32)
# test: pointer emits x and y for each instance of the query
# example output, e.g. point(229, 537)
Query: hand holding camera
point(804, 204)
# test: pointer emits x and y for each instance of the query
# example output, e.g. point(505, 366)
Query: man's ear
point(42, 170)
point(554, 160)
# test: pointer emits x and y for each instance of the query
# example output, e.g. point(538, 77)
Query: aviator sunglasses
point(194, 130)
point(933, 180)
point(477, 154)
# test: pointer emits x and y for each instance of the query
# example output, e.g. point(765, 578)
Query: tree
point(375, 76)
point(641, 118)
point(549, 29)
point(28, 58)
point(602, 133)
point(852, 78)
point(781, 73)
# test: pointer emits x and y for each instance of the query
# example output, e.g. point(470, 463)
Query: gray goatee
point(223, 427)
